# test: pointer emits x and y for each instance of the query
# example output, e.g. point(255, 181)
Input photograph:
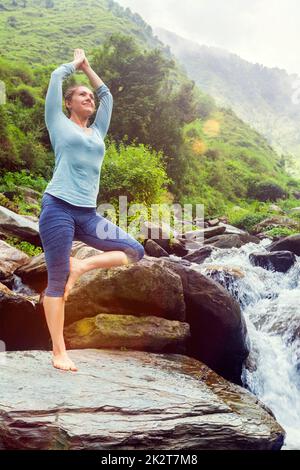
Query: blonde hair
point(68, 95)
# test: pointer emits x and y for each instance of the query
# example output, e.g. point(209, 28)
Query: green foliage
point(281, 232)
point(25, 94)
point(24, 208)
point(134, 171)
point(10, 181)
point(246, 215)
point(22, 245)
point(266, 191)
point(5, 202)
point(150, 111)
point(248, 221)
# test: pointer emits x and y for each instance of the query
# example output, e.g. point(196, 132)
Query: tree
point(148, 109)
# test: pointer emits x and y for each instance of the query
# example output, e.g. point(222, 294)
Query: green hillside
point(48, 31)
point(266, 98)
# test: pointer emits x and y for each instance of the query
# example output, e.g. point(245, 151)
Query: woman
point(68, 209)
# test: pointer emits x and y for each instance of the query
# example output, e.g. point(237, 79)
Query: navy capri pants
point(61, 222)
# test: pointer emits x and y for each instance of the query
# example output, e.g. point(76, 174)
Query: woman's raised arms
point(54, 96)
point(104, 111)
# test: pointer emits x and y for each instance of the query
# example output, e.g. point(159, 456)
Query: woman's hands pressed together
point(81, 63)
point(80, 60)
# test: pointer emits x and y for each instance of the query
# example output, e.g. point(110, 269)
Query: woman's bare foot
point(62, 361)
point(76, 270)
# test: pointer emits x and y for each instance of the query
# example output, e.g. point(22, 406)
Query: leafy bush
point(133, 171)
point(266, 191)
point(24, 208)
point(28, 248)
point(247, 221)
point(280, 232)
point(9, 181)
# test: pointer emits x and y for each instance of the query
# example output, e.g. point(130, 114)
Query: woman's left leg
point(119, 247)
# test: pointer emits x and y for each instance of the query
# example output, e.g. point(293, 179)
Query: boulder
point(218, 329)
point(276, 261)
point(294, 210)
point(199, 255)
point(166, 237)
point(143, 288)
point(208, 232)
point(231, 240)
point(232, 229)
point(154, 249)
point(212, 222)
point(127, 400)
point(290, 243)
point(275, 208)
point(107, 330)
point(10, 259)
point(19, 225)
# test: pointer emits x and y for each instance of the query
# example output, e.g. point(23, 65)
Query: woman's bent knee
point(135, 253)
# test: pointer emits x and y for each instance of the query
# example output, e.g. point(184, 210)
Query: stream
point(270, 302)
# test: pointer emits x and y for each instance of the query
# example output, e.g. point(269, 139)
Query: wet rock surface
point(127, 400)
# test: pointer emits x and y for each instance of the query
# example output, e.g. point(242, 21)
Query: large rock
point(218, 329)
point(166, 237)
point(19, 225)
point(208, 232)
point(232, 229)
point(149, 333)
point(154, 249)
point(10, 259)
point(199, 255)
point(280, 261)
point(290, 243)
point(127, 400)
point(231, 240)
point(143, 288)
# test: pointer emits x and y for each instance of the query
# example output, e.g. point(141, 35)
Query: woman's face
point(83, 102)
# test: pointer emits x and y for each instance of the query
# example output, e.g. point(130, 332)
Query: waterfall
point(270, 302)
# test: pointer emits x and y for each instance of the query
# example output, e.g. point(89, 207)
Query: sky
point(263, 31)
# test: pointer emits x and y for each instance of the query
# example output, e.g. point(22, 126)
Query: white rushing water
point(270, 302)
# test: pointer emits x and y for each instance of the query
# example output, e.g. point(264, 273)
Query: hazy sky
point(264, 31)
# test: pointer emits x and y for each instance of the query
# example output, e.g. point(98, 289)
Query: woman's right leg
point(56, 227)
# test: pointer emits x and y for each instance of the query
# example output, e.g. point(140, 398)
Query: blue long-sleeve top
point(78, 155)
